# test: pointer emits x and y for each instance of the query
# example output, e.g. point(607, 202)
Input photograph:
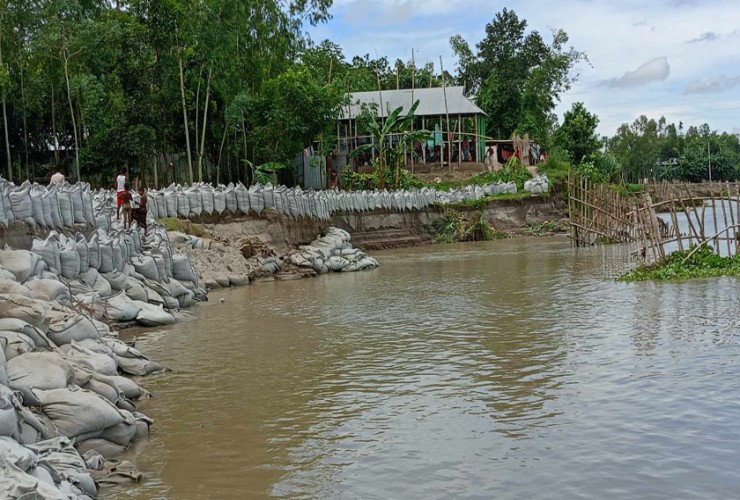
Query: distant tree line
point(182, 91)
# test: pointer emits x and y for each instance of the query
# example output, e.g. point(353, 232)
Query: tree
point(393, 138)
point(516, 76)
point(577, 134)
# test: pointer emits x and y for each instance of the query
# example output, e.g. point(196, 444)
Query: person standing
point(127, 201)
point(120, 189)
point(58, 178)
point(139, 213)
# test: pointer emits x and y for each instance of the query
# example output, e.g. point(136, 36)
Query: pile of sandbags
point(205, 199)
point(537, 185)
point(53, 207)
point(332, 252)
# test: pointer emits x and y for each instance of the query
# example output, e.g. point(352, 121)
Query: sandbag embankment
point(332, 252)
point(203, 199)
point(65, 401)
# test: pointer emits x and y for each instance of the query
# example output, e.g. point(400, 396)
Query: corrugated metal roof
point(431, 102)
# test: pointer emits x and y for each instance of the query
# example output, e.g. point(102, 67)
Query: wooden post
point(447, 112)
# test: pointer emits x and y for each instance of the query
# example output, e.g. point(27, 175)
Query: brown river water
point(507, 369)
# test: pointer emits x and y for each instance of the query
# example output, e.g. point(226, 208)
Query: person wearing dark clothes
point(139, 213)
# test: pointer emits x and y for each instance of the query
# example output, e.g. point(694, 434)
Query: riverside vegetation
point(695, 262)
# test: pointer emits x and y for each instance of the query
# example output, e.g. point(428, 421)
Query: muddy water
point(510, 369)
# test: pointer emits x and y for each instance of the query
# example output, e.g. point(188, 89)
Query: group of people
point(125, 202)
point(124, 199)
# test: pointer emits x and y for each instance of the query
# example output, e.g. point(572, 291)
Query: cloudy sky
point(676, 58)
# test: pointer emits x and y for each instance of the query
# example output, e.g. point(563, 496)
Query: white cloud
point(618, 37)
point(712, 85)
point(654, 70)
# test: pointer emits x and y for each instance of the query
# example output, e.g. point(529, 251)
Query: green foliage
point(703, 262)
point(513, 171)
point(390, 158)
point(355, 181)
point(577, 135)
point(458, 226)
point(516, 76)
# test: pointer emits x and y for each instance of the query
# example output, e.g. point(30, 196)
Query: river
point(510, 369)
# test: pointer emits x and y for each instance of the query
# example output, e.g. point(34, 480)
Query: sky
point(674, 58)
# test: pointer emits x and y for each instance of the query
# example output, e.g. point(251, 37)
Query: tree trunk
point(197, 109)
point(185, 117)
point(54, 127)
point(25, 126)
point(5, 119)
point(205, 122)
point(65, 58)
point(220, 151)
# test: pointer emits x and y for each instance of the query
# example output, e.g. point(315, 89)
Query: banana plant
point(391, 156)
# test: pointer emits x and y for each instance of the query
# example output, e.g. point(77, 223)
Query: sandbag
point(76, 411)
point(97, 362)
point(121, 308)
point(105, 448)
point(146, 266)
point(14, 344)
point(152, 315)
point(12, 286)
point(38, 370)
point(66, 327)
point(9, 424)
point(19, 455)
point(16, 325)
point(139, 366)
point(3, 364)
point(32, 311)
point(20, 202)
point(135, 290)
point(49, 290)
point(21, 263)
point(66, 208)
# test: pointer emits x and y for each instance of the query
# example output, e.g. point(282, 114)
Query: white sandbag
point(9, 424)
point(37, 205)
point(230, 199)
point(152, 315)
point(20, 201)
point(119, 259)
point(16, 325)
point(121, 308)
point(219, 201)
point(206, 199)
point(146, 266)
point(32, 311)
point(69, 259)
point(105, 448)
point(123, 433)
point(3, 362)
point(11, 286)
point(78, 208)
point(97, 362)
point(21, 263)
point(242, 198)
point(194, 201)
point(87, 204)
point(139, 366)
point(66, 327)
point(76, 411)
point(135, 290)
point(38, 370)
point(256, 201)
point(49, 290)
point(170, 199)
point(82, 251)
point(117, 280)
point(93, 252)
point(19, 455)
point(66, 209)
point(14, 344)
point(183, 204)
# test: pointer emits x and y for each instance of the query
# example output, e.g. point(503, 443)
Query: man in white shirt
point(120, 189)
point(57, 179)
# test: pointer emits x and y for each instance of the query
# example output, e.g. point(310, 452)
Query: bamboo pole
point(447, 112)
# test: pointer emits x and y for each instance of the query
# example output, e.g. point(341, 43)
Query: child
point(139, 213)
point(126, 200)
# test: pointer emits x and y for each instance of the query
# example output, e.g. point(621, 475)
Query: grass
point(456, 227)
point(705, 262)
point(183, 226)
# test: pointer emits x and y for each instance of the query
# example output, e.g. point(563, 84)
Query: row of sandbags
point(54, 207)
point(204, 199)
point(537, 185)
point(54, 469)
point(332, 252)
